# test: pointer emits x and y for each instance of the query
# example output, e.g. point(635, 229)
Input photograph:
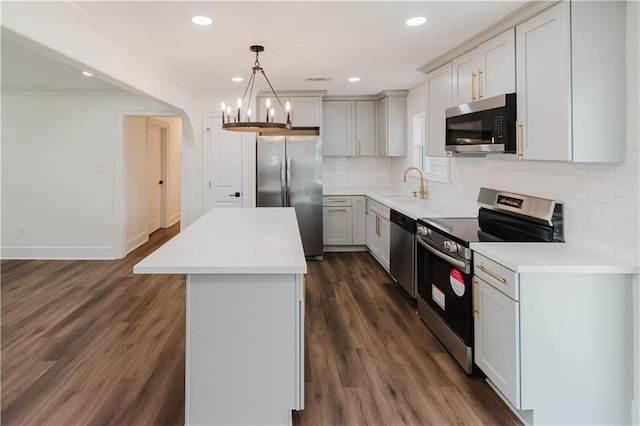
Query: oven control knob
point(453, 247)
point(422, 231)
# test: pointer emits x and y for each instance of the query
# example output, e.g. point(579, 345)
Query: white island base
point(244, 315)
point(244, 360)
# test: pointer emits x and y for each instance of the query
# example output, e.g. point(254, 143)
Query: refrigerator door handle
point(288, 181)
point(283, 179)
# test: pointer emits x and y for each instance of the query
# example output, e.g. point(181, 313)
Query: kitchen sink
point(402, 199)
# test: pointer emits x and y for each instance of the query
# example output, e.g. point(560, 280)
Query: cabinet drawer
point(498, 276)
point(334, 201)
point(378, 208)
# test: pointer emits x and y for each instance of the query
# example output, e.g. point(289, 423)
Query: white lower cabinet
point(496, 327)
point(337, 222)
point(359, 207)
point(555, 345)
point(378, 231)
point(385, 242)
point(343, 219)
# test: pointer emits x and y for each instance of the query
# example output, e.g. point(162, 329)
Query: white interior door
point(225, 166)
point(154, 176)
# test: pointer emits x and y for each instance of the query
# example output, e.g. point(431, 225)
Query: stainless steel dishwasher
point(402, 251)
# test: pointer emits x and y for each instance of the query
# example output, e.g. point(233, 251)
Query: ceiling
point(326, 39)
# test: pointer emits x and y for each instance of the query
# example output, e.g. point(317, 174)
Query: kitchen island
point(244, 315)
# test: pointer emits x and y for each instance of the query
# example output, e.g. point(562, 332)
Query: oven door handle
point(458, 263)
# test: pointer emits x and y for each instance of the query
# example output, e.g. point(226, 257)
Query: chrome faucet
point(422, 191)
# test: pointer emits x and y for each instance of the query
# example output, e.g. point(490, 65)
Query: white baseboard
point(137, 241)
point(344, 248)
point(173, 219)
point(59, 253)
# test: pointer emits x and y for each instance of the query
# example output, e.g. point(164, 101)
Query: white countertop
point(559, 258)
point(415, 208)
point(232, 241)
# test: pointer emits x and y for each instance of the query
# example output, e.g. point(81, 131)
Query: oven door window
point(448, 291)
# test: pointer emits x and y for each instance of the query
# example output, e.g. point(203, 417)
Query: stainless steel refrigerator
point(289, 174)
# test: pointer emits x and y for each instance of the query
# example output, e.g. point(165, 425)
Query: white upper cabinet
point(439, 98)
point(571, 83)
point(498, 65)
point(365, 127)
point(465, 69)
point(489, 70)
point(338, 131)
point(392, 124)
point(349, 127)
point(382, 125)
point(306, 111)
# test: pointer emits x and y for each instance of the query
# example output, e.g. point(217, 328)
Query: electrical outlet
point(23, 229)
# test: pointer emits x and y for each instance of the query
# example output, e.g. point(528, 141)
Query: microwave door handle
point(458, 263)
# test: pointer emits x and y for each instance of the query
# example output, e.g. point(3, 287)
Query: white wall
point(62, 174)
point(57, 30)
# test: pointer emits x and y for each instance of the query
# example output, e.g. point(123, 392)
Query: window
point(434, 168)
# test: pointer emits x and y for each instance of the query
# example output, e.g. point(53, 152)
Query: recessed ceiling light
point(415, 21)
point(237, 79)
point(354, 79)
point(201, 20)
point(87, 74)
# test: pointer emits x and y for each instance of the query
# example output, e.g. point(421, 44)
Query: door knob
point(235, 194)
point(161, 182)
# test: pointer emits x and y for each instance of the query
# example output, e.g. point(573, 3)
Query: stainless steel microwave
point(487, 125)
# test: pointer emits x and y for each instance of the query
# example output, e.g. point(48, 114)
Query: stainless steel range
point(444, 259)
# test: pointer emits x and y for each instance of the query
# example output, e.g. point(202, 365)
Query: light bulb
point(287, 106)
point(249, 113)
point(228, 109)
point(273, 111)
point(268, 103)
point(223, 106)
point(239, 103)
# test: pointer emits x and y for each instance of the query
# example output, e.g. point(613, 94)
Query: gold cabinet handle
point(518, 140)
point(337, 200)
point(479, 83)
point(492, 274)
point(474, 293)
point(473, 86)
point(337, 210)
point(377, 225)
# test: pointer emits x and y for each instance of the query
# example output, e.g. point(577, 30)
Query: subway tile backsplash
point(340, 172)
point(601, 201)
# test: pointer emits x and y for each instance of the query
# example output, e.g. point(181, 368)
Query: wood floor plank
point(91, 343)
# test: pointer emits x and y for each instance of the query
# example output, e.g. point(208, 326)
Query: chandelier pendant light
point(236, 123)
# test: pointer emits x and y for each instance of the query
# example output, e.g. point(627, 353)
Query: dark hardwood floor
point(88, 342)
